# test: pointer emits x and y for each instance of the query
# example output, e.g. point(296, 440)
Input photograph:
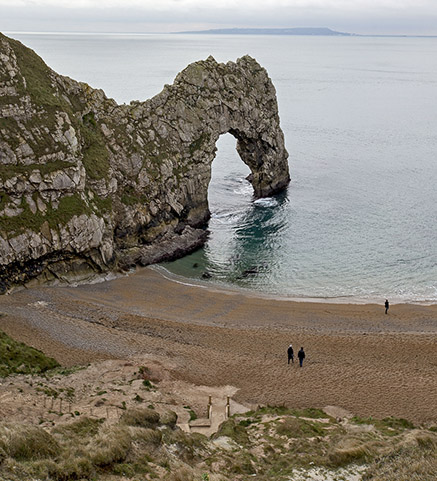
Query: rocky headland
point(88, 186)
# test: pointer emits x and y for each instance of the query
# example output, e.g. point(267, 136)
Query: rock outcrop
point(90, 185)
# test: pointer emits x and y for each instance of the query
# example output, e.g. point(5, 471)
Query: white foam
point(266, 202)
point(244, 189)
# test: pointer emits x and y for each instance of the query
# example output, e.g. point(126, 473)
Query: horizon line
point(207, 32)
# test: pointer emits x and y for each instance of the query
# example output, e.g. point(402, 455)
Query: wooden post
point(209, 408)
point(228, 407)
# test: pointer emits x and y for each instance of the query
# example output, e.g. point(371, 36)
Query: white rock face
point(85, 180)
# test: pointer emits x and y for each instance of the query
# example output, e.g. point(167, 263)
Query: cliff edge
point(89, 186)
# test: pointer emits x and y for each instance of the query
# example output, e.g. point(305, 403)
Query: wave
point(266, 202)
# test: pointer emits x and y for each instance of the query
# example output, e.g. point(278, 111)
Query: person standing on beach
point(301, 356)
point(387, 305)
point(290, 353)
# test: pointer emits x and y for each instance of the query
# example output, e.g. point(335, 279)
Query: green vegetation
point(294, 440)
point(146, 418)
point(103, 205)
point(38, 76)
point(130, 196)
point(193, 415)
point(4, 200)
point(412, 463)
point(7, 170)
point(389, 426)
point(38, 81)
point(23, 442)
point(95, 154)
point(92, 450)
point(267, 447)
point(198, 143)
point(68, 207)
point(18, 358)
point(297, 428)
point(234, 431)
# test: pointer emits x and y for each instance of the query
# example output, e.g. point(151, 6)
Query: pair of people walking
point(300, 355)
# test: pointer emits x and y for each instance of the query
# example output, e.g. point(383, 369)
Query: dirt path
point(357, 357)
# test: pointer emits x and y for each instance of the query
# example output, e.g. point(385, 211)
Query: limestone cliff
point(90, 185)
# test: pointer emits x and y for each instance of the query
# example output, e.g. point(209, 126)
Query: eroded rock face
point(89, 185)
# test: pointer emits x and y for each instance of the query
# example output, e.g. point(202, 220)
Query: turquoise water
point(359, 220)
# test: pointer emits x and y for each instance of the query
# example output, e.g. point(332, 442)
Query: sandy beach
point(358, 358)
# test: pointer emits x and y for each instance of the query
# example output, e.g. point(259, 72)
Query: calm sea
point(359, 220)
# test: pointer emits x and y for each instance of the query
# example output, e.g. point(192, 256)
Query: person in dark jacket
point(387, 305)
point(301, 356)
point(290, 353)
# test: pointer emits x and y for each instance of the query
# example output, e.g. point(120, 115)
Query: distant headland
point(316, 31)
point(295, 31)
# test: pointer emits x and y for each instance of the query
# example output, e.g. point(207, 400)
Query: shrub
point(169, 418)
point(397, 423)
point(343, 456)
point(43, 468)
point(147, 436)
point(83, 427)
point(349, 450)
point(124, 469)
point(234, 431)
point(142, 417)
point(242, 464)
point(185, 445)
point(299, 428)
point(110, 446)
point(74, 468)
point(27, 442)
point(412, 463)
point(427, 441)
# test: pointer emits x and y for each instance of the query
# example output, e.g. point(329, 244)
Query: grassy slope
point(16, 357)
point(269, 444)
point(263, 445)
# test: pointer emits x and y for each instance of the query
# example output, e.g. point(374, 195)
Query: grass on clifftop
point(143, 446)
point(18, 358)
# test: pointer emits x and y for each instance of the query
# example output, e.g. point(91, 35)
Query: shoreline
point(224, 287)
point(216, 286)
point(358, 358)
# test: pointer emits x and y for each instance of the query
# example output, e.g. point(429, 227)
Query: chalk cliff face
point(87, 185)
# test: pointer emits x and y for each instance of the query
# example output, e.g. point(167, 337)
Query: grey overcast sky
point(413, 17)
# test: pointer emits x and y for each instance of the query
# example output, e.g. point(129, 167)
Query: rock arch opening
point(228, 187)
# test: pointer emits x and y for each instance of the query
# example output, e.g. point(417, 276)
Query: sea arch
point(91, 185)
point(209, 99)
